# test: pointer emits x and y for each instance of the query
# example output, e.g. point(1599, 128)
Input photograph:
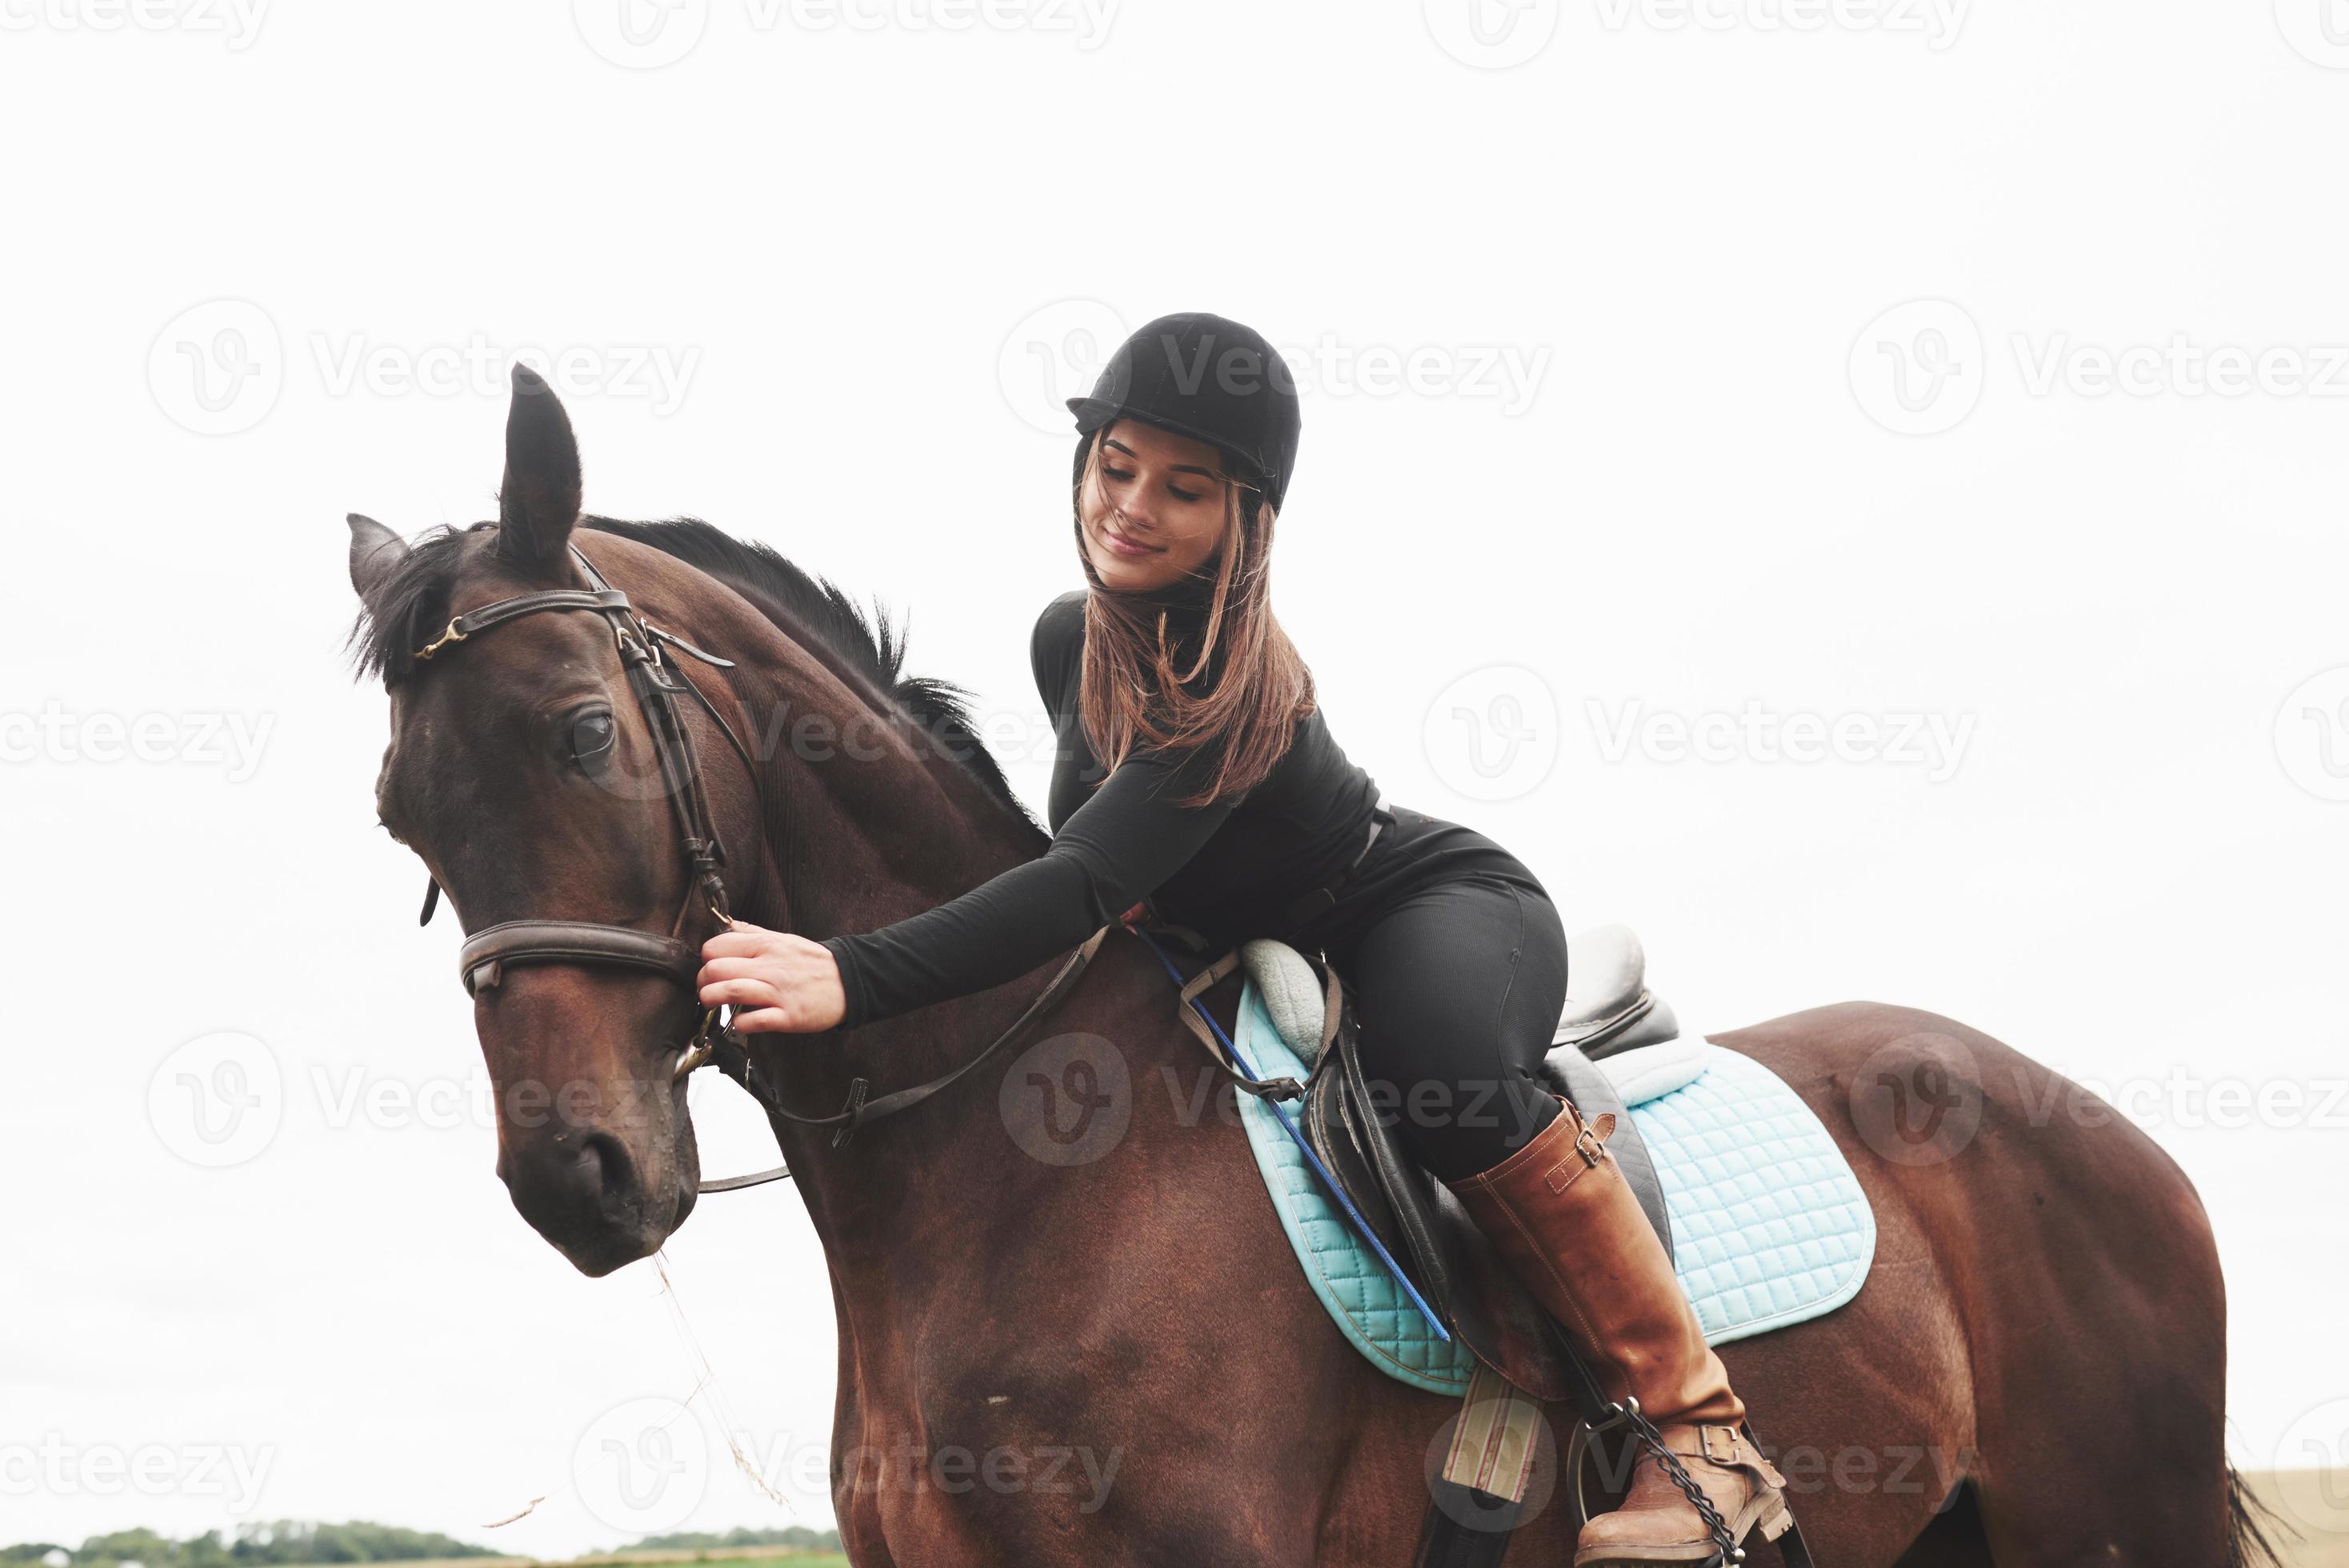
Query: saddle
point(1416, 1216)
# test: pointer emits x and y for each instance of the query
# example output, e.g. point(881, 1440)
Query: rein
point(659, 685)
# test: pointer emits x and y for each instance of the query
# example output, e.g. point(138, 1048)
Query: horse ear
point(539, 501)
point(375, 551)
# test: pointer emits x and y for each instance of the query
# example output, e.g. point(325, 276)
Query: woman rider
point(1196, 773)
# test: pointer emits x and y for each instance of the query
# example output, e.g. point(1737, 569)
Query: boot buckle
point(1587, 1144)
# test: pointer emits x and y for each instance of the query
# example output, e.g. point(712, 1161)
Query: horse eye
point(590, 736)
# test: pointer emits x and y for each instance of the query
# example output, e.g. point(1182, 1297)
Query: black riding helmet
point(1209, 379)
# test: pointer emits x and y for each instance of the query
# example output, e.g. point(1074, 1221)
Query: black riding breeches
point(1456, 959)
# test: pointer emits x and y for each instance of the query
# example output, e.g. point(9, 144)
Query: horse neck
point(866, 823)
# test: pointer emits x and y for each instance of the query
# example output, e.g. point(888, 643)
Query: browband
point(481, 962)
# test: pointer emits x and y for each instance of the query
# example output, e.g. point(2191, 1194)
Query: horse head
point(526, 773)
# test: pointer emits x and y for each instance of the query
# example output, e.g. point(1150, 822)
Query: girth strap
point(1213, 975)
point(481, 962)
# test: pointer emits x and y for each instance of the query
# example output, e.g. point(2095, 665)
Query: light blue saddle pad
point(1769, 1225)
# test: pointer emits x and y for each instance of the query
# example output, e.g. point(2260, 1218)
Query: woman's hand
point(775, 982)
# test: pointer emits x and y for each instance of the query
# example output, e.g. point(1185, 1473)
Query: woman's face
point(1157, 513)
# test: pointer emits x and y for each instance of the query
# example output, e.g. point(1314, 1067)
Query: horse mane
point(411, 600)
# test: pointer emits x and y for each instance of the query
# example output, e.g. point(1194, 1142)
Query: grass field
point(730, 1556)
point(2302, 1499)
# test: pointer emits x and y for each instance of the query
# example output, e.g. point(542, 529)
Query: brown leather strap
point(734, 1060)
point(1184, 1009)
point(481, 962)
point(1332, 999)
point(659, 687)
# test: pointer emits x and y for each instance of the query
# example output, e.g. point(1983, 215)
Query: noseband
point(659, 688)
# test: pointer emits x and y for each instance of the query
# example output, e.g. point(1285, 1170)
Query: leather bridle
point(660, 688)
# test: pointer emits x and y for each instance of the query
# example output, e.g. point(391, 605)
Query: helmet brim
point(1092, 413)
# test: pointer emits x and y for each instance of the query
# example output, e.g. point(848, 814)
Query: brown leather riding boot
point(1564, 1217)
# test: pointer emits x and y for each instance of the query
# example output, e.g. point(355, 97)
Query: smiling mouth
point(1127, 541)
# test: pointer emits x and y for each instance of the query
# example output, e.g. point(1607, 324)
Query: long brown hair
point(1129, 695)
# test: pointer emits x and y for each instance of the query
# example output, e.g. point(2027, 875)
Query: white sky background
point(843, 236)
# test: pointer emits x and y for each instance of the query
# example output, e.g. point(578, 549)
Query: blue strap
point(1289, 1125)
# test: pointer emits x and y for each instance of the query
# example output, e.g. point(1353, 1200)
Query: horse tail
point(2249, 1519)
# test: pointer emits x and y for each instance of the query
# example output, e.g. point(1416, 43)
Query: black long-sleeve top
point(1227, 869)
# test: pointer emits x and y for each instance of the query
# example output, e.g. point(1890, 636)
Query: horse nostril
point(613, 1173)
point(572, 1190)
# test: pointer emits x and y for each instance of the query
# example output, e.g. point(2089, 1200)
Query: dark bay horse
point(2034, 1374)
